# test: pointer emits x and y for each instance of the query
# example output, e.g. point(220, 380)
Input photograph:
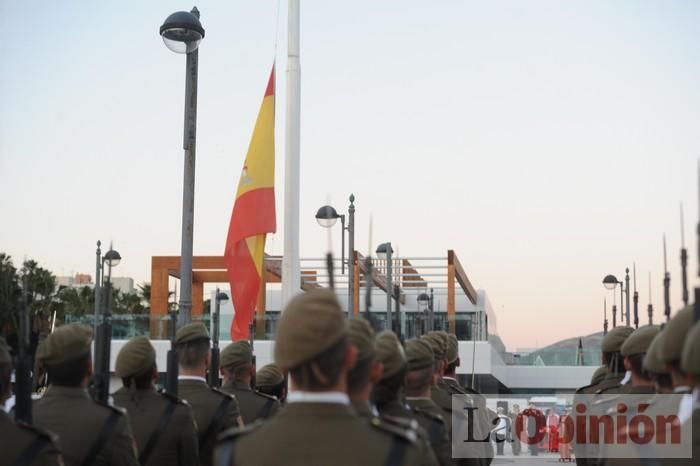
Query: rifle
point(635, 298)
point(368, 279)
point(23, 390)
point(684, 262)
point(172, 369)
point(103, 343)
point(252, 349)
point(214, 380)
point(605, 316)
point(667, 286)
point(696, 305)
point(650, 307)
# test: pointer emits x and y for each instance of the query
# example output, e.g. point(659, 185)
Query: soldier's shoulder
point(585, 389)
point(405, 434)
point(173, 399)
point(265, 395)
point(608, 389)
point(426, 413)
point(36, 432)
point(222, 394)
point(404, 422)
point(232, 434)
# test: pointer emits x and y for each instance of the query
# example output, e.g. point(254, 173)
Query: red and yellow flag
point(253, 217)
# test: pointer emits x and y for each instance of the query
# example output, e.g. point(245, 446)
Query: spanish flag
point(253, 217)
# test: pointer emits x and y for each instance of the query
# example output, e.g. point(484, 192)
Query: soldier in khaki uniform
point(388, 393)
point(690, 364)
point(633, 351)
point(362, 377)
point(163, 425)
point(214, 410)
point(270, 380)
point(675, 332)
point(36, 446)
point(237, 370)
point(88, 433)
point(317, 426)
point(656, 367)
point(598, 375)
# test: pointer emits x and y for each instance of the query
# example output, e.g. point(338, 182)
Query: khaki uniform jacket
point(214, 411)
point(253, 404)
point(317, 434)
point(78, 421)
point(424, 411)
point(177, 444)
point(19, 440)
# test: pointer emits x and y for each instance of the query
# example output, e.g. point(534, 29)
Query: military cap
point(652, 359)
point(690, 359)
point(390, 353)
point(362, 337)
point(136, 357)
point(65, 343)
point(236, 354)
point(675, 332)
point(312, 323)
point(638, 342)
point(5, 357)
point(269, 376)
point(442, 337)
point(419, 354)
point(452, 348)
point(436, 346)
point(612, 342)
point(599, 375)
point(191, 332)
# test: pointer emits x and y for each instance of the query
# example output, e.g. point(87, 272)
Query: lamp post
point(98, 295)
point(327, 217)
point(182, 33)
point(610, 282)
point(384, 252)
point(103, 335)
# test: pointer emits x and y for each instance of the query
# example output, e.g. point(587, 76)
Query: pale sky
point(548, 142)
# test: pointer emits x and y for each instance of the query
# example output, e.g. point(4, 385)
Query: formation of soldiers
point(648, 363)
point(355, 398)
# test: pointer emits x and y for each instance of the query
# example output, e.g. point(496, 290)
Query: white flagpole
point(291, 273)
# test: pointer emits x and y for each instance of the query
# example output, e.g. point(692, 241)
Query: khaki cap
point(362, 337)
point(675, 332)
point(419, 354)
point(390, 353)
point(612, 342)
point(599, 375)
point(191, 332)
point(638, 342)
point(443, 338)
point(436, 345)
point(65, 343)
point(652, 359)
point(5, 357)
point(690, 359)
point(236, 354)
point(312, 323)
point(136, 357)
point(452, 348)
point(269, 376)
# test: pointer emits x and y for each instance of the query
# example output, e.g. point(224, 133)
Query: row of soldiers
point(356, 398)
point(646, 364)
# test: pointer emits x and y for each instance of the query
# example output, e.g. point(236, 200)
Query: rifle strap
point(224, 453)
point(397, 453)
point(105, 433)
point(30, 453)
point(157, 432)
point(221, 411)
point(265, 410)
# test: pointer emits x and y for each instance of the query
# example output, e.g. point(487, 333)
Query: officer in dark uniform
point(22, 444)
point(89, 433)
point(214, 410)
point(387, 396)
point(362, 377)
point(237, 369)
point(270, 380)
point(163, 425)
point(317, 426)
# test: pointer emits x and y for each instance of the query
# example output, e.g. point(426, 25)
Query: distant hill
point(563, 353)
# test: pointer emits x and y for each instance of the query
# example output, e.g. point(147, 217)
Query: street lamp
point(610, 282)
point(327, 217)
point(182, 33)
point(384, 252)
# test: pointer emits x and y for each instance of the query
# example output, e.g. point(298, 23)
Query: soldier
point(317, 425)
point(610, 346)
point(89, 433)
point(270, 380)
point(237, 369)
point(22, 444)
point(214, 411)
point(598, 375)
point(633, 351)
point(675, 332)
point(656, 367)
point(690, 364)
point(388, 391)
point(362, 377)
point(163, 425)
